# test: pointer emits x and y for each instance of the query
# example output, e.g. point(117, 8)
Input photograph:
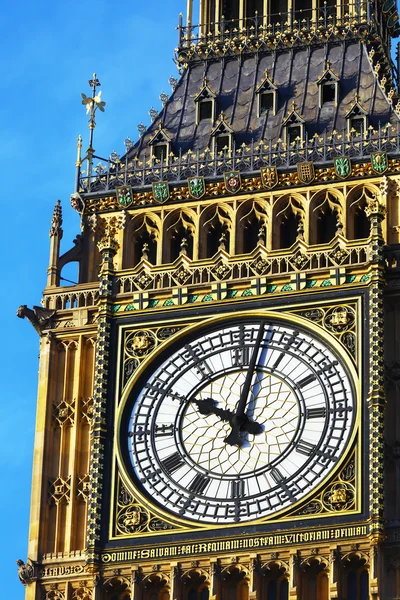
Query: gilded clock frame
point(190, 324)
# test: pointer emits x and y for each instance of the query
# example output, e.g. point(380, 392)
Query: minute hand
point(239, 419)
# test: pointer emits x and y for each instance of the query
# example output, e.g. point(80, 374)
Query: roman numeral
point(306, 381)
point(316, 413)
point(277, 475)
point(173, 462)
point(163, 430)
point(237, 489)
point(240, 356)
point(305, 448)
point(199, 484)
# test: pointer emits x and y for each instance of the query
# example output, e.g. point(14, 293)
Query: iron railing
point(248, 159)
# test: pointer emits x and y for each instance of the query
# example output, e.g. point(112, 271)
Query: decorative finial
point(145, 251)
point(184, 246)
point(164, 98)
point(56, 221)
point(153, 114)
point(93, 103)
point(114, 157)
point(294, 106)
point(173, 82)
point(128, 144)
point(141, 129)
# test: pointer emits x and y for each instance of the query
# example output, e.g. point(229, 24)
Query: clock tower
point(218, 393)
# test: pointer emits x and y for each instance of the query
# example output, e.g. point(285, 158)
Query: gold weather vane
point(92, 104)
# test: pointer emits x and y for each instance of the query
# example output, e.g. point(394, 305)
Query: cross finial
point(94, 83)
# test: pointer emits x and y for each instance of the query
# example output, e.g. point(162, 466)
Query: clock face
point(240, 421)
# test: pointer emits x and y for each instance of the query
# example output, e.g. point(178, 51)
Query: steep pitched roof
point(295, 72)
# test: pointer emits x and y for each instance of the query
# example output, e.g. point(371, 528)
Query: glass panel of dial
point(300, 395)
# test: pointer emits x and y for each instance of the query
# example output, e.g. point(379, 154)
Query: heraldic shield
point(197, 187)
point(161, 191)
point(269, 177)
point(306, 172)
point(124, 195)
point(342, 166)
point(233, 181)
point(379, 162)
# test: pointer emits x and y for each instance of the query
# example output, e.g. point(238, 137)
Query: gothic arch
point(325, 217)
point(355, 576)
point(274, 580)
point(117, 588)
point(178, 235)
point(313, 580)
point(155, 586)
point(141, 230)
point(234, 582)
point(195, 584)
point(215, 230)
point(288, 216)
point(358, 226)
point(251, 225)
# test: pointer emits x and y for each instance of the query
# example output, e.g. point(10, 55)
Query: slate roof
point(295, 73)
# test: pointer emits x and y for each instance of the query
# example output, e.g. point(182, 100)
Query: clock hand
point(240, 418)
point(208, 406)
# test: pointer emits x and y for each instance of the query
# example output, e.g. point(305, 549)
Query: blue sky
point(49, 50)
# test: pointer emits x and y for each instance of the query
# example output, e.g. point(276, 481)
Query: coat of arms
point(124, 196)
point(269, 177)
point(306, 172)
point(233, 181)
point(342, 166)
point(197, 187)
point(379, 162)
point(161, 191)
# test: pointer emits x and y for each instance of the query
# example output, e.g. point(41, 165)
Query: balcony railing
point(248, 159)
point(340, 16)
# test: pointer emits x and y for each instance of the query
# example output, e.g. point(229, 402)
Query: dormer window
point(222, 143)
point(160, 152)
point(205, 103)
point(294, 125)
point(267, 96)
point(205, 110)
point(328, 85)
point(357, 119)
point(222, 135)
point(294, 134)
point(160, 145)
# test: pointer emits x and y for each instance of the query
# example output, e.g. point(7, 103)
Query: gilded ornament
point(269, 177)
point(306, 172)
point(379, 162)
point(342, 166)
point(161, 191)
point(140, 343)
point(197, 187)
point(233, 181)
point(124, 196)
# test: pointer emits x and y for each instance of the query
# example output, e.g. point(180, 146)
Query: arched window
point(358, 225)
point(178, 237)
point(141, 239)
point(214, 232)
point(278, 12)
point(230, 10)
point(356, 577)
point(251, 227)
point(303, 10)
point(274, 583)
point(288, 222)
point(314, 583)
point(325, 218)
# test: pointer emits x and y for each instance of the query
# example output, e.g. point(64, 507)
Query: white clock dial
point(240, 421)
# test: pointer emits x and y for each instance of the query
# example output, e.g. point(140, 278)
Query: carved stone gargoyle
point(26, 571)
point(39, 317)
